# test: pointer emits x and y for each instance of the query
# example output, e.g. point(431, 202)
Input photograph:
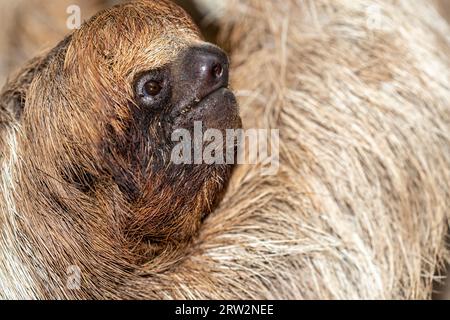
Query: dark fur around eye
point(152, 89)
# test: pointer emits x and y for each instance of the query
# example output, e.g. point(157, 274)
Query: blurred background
point(32, 26)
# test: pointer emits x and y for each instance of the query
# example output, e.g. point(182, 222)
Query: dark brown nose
point(201, 71)
point(209, 67)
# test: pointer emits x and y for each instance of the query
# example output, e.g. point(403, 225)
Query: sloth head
point(98, 113)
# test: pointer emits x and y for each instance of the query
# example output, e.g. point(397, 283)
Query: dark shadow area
point(444, 8)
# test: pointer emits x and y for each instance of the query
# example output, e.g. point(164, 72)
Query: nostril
point(217, 70)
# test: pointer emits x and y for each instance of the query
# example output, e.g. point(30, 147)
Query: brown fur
point(360, 206)
point(31, 26)
point(90, 188)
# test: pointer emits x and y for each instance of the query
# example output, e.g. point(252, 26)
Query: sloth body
point(359, 208)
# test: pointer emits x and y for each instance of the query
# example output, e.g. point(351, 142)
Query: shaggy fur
point(31, 26)
point(361, 204)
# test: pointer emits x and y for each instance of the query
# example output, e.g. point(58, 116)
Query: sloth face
point(119, 87)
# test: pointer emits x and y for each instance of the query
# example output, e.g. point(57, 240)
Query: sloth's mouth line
point(197, 102)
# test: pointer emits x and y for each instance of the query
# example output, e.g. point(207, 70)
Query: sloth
point(87, 127)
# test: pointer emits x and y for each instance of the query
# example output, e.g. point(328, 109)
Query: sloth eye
point(152, 88)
